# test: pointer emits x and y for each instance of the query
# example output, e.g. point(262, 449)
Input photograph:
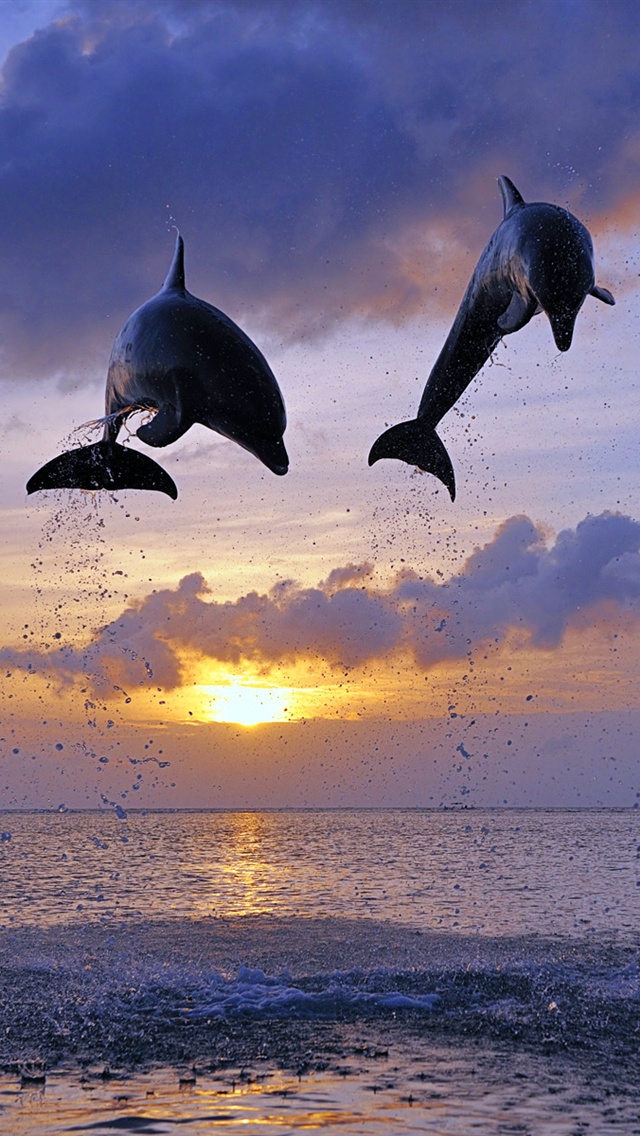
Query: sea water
point(462, 971)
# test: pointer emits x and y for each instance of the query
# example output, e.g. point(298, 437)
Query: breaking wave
point(174, 991)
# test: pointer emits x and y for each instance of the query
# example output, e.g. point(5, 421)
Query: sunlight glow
point(247, 705)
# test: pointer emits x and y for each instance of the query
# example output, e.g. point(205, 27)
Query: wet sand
point(394, 1081)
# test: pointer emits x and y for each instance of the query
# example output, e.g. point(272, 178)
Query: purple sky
point(296, 144)
point(332, 167)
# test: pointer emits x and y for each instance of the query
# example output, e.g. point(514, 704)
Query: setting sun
point(247, 705)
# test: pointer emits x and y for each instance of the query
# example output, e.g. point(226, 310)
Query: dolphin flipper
point(165, 427)
point(518, 314)
point(416, 443)
point(105, 465)
point(602, 294)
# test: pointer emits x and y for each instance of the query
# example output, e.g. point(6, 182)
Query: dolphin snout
point(562, 328)
point(274, 456)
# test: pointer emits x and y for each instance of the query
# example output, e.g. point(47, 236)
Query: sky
point(343, 635)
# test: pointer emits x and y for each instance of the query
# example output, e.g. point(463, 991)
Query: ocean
point(442, 971)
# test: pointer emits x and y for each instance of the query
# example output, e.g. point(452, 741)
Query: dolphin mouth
point(562, 328)
point(563, 337)
point(275, 457)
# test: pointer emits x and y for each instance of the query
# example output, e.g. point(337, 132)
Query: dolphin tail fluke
point(105, 465)
point(416, 443)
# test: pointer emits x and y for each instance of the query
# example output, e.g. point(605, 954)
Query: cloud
point(515, 591)
point(517, 586)
point(298, 146)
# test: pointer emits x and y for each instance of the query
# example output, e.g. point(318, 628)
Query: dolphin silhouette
point(540, 259)
point(187, 362)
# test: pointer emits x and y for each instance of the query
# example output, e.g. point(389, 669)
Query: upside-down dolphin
point(186, 361)
point(540, 259)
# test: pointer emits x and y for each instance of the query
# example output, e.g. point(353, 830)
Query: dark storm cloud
point(296, 145)
point(514, 592)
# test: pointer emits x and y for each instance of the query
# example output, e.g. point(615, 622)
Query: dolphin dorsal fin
point(511, 198)
point(175, 275)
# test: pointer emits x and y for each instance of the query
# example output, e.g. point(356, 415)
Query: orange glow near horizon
point(592, 669)
point(247, 704)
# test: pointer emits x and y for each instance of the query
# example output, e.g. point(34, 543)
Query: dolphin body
point(540, 258)
point(188, 362)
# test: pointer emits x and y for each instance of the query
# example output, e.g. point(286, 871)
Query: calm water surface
point(487, 872)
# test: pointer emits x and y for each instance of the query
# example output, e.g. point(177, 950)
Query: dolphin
point(540, 259)
point(185, 362)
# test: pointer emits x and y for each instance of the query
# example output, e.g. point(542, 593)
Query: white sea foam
point(253, 993)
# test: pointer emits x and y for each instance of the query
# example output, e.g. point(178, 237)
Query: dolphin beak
point(274, 456)
point(562, 328)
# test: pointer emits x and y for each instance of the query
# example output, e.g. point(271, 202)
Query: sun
point(247, 705)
